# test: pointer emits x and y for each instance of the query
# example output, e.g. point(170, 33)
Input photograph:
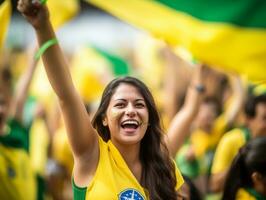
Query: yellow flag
point(62, 10)
point(227, 34)
point(5, 13)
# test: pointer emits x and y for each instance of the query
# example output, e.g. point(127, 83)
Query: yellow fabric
point(227, 149)
point(22, 186)
point(244, 195)
point(5, 13)
point(39, 140)
point(202, 141)
point(207, 41)
point(62, 11)
point(113, 176)
point(90, 73)
point(41, 88)
point(148, 61)
point(61, 149)
point(150, 66)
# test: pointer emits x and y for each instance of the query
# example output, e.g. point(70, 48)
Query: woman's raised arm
point(82, 136)
point(180, 126)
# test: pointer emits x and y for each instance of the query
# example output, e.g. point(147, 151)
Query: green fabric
point(246, 133)
point(119, 65)
point(255, 194)
point(245, 13)
point(78, 192)
point(18, 137)
point(194, 168)
point(259, 90)
point(40, 187)
point(188, 168)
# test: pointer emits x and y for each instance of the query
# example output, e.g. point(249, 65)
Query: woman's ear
point(104, 121)
point(256, 177)
point(258, 182)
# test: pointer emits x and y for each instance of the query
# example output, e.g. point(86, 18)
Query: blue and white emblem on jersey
point(130, 194)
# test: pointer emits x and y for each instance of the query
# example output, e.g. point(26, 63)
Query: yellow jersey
point(228, 147)
point(17, 180)
point(113, 179)
point(248, 194)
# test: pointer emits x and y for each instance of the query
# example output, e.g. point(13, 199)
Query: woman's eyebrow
point(121, 99)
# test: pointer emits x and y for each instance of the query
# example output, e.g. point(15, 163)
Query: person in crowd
point(255, 112)
point(246, 178)
point(17, 180)
point(202, 123)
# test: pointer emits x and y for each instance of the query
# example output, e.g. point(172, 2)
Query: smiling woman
point(122, 153)
point(127, 116)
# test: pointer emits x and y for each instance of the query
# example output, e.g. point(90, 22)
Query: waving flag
point(5, 12)
point(118, 64)
point(226, 34)
point(62, 10)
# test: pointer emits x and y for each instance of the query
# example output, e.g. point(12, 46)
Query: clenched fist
point(36, 13)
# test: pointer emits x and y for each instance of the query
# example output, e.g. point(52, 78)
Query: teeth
point(130, 122)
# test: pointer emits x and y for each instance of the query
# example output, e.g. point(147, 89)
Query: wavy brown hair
point(158, 170)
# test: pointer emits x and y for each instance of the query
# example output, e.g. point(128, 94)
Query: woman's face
point(206, 116)
point(127, 115)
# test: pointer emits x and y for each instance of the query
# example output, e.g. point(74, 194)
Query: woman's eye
point(140, 105)
point(119, 105)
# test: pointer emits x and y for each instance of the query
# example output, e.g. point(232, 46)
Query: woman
point(129, 160)
point(247, 176)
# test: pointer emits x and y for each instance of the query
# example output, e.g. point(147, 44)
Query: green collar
point(247, 134)
point(255, 194)
point(11, 141)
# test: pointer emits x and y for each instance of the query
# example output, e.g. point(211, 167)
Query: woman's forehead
point(125, 91)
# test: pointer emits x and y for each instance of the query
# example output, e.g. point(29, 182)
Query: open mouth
point(130, 124)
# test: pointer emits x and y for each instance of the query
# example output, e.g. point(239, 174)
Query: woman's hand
point(36, 13)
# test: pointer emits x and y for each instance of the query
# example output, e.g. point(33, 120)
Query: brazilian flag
point(226, 34)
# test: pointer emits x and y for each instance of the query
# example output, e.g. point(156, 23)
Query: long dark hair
point(158, 170)
point(250, 158)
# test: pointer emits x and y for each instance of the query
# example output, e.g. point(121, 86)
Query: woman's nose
point(130, 111)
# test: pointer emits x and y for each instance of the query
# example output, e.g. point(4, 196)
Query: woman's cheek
point(115, 113)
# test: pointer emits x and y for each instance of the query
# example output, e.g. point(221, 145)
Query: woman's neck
point(130, 154)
